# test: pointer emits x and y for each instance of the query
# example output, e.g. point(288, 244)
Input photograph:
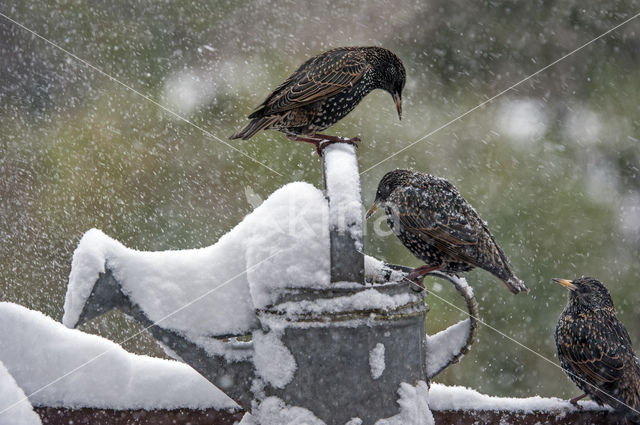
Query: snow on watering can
point(285, 305)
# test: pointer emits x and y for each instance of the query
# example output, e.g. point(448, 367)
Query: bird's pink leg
point(574, 400)
point(315, 142)
point(321, 141)
point(330, 140)
point(418, 272)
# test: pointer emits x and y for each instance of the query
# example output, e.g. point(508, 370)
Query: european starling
point(440, 228)
point(324, 90)
point(595, 350)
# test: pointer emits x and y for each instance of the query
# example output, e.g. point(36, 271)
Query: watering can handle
point(441, 356)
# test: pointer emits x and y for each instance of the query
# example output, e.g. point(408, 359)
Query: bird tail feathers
point(254, 126)
point(515, 285)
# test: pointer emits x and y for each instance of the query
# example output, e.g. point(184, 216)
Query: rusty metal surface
point(491, 417)
point(59, 416)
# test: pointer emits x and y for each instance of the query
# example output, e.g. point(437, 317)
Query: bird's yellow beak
point(373, 209)
point(398, 101)
point(566, 283)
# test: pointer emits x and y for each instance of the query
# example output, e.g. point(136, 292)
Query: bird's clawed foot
point(321, 141)
point(417, 285)
point(574, 401)
point(417, 274)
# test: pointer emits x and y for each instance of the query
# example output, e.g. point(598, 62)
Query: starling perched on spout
point(440, 228)
point(595, 350)
point(324, 90)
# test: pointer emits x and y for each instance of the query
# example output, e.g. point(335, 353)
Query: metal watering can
point(344, 360)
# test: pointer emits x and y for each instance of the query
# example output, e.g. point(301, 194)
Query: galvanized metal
point(332, 350)
point(472, 310)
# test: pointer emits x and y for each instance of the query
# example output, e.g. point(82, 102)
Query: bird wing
point(602, 353)
point(319, 77)
point(439, 216)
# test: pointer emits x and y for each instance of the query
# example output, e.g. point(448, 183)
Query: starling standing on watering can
point(440, 228)
point(595, 350)
point(324, 90)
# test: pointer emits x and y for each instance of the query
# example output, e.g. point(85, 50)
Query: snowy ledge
point(455, 405)
point(37, 351)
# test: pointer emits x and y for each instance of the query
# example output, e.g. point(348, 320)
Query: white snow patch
point(284, 242)
point(442, 397)
point(522, 120)
point(233, 350)
point(414, 406)
point(368, 299)
point(63, 367)
point(163, 283)
point(274, 411)
point(377, 272)
point(273, 361)
point(287, 243)
point(15, 408)
point(376, 360)
point(444, 345)
point(343, 189)
point(462, 283)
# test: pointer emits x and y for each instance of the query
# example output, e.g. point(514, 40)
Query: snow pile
point(209, 291)
point(14, 407)
point(231, 349)
point(376, 360)
point(272, 359)
point(287, 243)
point(342, 181)
point(413, 401)
point(414, 406)
point(442, 397)
point(61, 367)
point(375, 271)
point(274, 411)
point(446, 344)
point(463, 286)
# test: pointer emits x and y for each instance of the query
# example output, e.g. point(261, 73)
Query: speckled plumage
point(440, 227)
point(325, 89)
point(594, 347)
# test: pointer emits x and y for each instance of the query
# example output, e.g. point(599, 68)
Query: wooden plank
point(60, 416)
point(492, 417)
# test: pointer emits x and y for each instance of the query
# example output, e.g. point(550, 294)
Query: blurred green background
point(552, 165)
